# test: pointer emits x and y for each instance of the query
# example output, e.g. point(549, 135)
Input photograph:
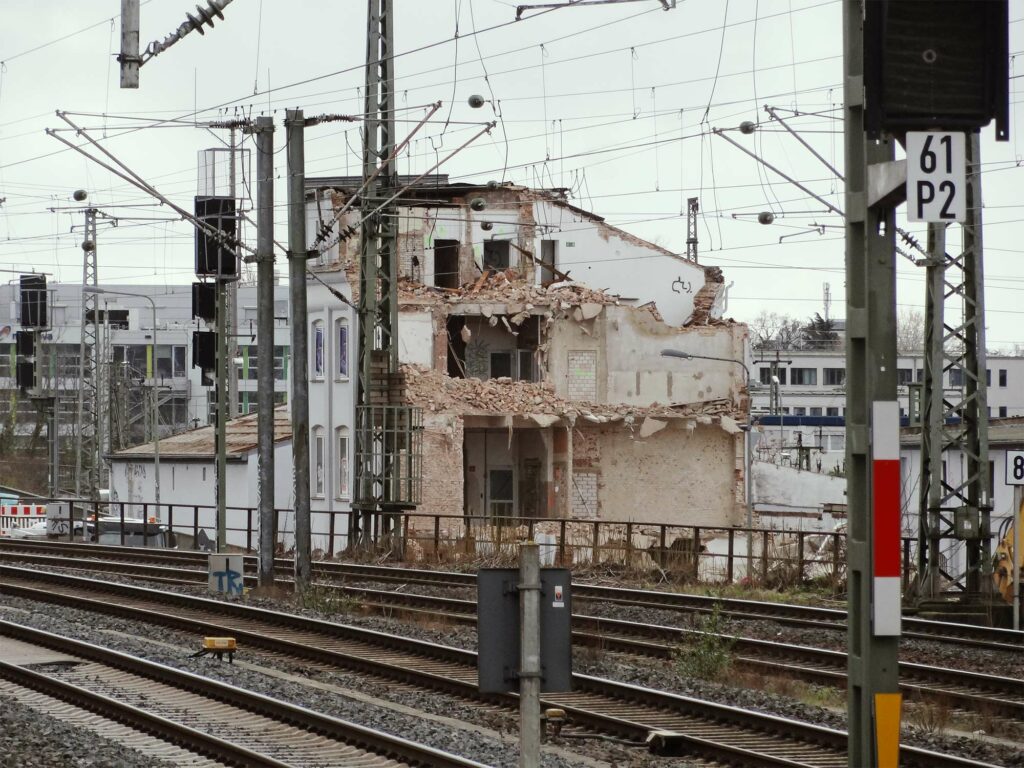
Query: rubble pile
point(436, 392)
point(509, 287)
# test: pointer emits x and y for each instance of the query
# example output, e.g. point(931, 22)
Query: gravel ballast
point(655, 674)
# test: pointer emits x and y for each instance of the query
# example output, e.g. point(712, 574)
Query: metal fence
point(722, 555)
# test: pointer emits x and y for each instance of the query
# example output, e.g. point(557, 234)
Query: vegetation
point(710, 656)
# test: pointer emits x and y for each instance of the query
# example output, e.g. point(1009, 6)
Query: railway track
point(832, 619)
point(696, 727)
point(960, 690)
point(215, 721)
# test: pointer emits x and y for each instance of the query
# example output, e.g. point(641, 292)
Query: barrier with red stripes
point(20, 515)
point(886, 599)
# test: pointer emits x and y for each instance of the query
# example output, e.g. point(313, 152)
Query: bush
point(710, 656)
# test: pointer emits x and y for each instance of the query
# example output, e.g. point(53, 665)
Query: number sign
point(1015, 467)
point(936, 176)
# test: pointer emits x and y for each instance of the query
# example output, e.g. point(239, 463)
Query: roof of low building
point(202, 442)
point(1001, 432)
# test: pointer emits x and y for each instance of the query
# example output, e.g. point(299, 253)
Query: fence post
point(248, 529)
point(195, 526)
point(629, 545)
point(593, 553)
point(729, 561)
point(95, 522)
point(330, 534)
point(696, 552)
point(661, 544)
point(906, 563)
point(437, 538)
point(764, 558)
point(145, 525)
point(122, 524)
point(561, 544)
point(835, 561)
point(800, 557)
point(529, 530)
point(403, 520)
point(170, 522)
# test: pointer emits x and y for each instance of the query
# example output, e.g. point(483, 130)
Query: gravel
point(32, 739)
point(655, 674)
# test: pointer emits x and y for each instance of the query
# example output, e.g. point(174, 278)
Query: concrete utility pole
point(265, 344)
point(297, 252)
point(232, 287)
point(870, 383)
point(529, 655)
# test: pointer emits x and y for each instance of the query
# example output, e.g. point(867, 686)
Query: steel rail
point(990, 638)
point(628, 711)
point(167, 730)
point(380, 743)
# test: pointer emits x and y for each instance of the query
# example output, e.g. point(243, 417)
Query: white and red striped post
point(885, 513)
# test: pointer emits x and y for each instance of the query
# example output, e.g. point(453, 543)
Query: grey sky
point(615, 103)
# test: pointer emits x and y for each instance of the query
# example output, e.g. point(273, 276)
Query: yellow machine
point(1005, 558)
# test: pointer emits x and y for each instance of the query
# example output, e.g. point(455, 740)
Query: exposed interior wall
point(604, 257)
point(626, 344)
point(679, 475)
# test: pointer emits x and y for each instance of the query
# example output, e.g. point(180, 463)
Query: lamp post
point(155, 413)
point(747, 448)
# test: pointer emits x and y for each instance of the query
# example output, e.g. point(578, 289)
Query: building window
point(280, 363)
point(988, 377)
point(1002, 377)
point(1002, 412)
point(318, 462)
point(341, 347)
point(904, 376)
point(803, 376)
point(766, 375)
point(501, 365)
point(837, 442)
point(318, 349)
point(956, 377)
point(496, 254)
point(799, 411)
point(920, 375)
point(831, 411)
point(343, 485)
point(815, 411)
point(833, 377)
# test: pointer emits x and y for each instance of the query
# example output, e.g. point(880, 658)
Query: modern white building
point(812, 389)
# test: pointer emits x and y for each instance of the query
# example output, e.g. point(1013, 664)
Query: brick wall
point(583, 375)
point(442, 464)
point(584, 495)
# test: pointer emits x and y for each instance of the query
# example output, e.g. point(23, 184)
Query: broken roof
point(201, 442)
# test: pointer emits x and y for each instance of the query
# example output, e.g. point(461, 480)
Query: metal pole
point(129, 57)
point(232, 291)
point(222, 415)
point(156, 414)
point(871, 379)
point(295, 129)
point(1018, 541)
point(931, 491)
point(265, 343)
point(748, 449)
point(529, 659)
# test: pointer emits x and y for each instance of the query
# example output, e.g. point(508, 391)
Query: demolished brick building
point(530, 334)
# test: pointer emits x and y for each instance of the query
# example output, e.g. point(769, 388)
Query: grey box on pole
point(498, 630)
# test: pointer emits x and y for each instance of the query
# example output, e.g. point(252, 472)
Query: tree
point(909, 332)
point(771, 330)
point(820, 333)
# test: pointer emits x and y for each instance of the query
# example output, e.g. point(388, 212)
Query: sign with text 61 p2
point(936, 176)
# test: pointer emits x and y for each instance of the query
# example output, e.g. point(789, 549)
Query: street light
point(155, 414)
point(747, 448)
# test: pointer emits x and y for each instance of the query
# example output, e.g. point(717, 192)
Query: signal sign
point(936, 176)
point(1015, 467)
